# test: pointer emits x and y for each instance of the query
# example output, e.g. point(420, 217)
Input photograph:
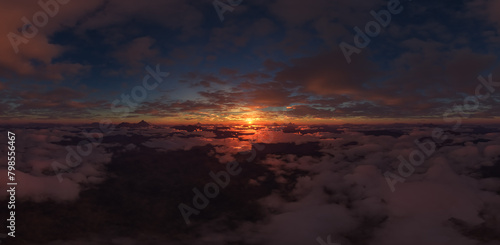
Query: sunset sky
point(256, 122)
point(267, 61)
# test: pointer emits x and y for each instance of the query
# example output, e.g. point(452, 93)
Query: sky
point(178, 61)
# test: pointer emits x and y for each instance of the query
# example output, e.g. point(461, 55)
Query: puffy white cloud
point(37, 150)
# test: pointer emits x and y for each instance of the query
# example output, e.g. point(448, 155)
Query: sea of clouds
point(341, 192)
